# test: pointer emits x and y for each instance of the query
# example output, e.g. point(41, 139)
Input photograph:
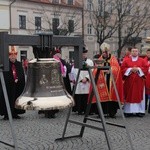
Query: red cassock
point(126, 57)
point(134, 84)
point(147, 82)
point(104, 94)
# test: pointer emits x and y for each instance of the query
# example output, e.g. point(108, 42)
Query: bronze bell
point(44, 89)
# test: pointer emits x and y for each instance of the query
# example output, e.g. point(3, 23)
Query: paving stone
point(35, 132)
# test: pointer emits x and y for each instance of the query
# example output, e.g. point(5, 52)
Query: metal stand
point(8, 111)
point(47, 41)
point(100, 111)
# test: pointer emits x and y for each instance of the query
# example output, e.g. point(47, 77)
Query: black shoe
point(16, 117)
point(41, 112)
point(5, 118)
point(142, 114)
point(139, 115)
point(112, 116)
point(52, 116)
point(49, 115)
point(128, 114)
point(80, 113)
point(91, 113)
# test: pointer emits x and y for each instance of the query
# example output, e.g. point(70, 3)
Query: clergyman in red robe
point(147, 82)
point(104, 84)
point(134, 70)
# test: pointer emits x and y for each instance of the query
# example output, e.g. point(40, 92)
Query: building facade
point(63, 17)
point(4, 15)
point(67, 17)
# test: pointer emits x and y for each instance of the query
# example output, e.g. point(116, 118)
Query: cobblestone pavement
point(35, 132)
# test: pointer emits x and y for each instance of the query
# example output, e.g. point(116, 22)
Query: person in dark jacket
point(15, 82)
point(65, 70)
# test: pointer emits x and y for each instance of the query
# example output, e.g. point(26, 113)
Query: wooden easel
point(8, 111)
point(100, 111)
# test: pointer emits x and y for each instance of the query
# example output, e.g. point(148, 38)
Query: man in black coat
point(15, 82)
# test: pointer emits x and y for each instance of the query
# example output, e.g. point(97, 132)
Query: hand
point(16, 80)
point(106, 71)
point(73, 81)
point(84, 80)
point(134, 69)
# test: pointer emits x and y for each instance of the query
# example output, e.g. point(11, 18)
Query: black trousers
point(81, 102)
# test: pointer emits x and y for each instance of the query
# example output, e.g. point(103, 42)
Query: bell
point(44, 89)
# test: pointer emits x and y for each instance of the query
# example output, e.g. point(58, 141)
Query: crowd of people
point(132, 80)
point(131, 76)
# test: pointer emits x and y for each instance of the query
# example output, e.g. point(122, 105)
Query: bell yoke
point(44, 89)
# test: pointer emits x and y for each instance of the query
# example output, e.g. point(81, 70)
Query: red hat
point(57, 50)
point(12, 50)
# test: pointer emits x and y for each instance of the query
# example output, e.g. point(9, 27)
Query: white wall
point(4, 16)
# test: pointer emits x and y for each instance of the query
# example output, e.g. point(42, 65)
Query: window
point(100, 2)
point(55, 26)
point(89, 4)
point(110, 7)
point(100, 8)
point(145, 33)
point(129, 7)
point(23, 55)
point(70, 2)
point(22, 22)
point(121, 8)
point(89, 28)
point(56, 1)
point(71, 55)
point(71, 26)
point(37, 23)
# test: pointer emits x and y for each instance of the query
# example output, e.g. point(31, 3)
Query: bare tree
point(133, 18)
point(124, 19)
point(103, 21)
